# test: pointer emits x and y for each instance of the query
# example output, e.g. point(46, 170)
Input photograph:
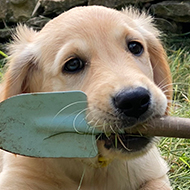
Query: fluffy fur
point(99, 36)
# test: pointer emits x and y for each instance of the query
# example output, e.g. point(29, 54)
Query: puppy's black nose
point(132, 102)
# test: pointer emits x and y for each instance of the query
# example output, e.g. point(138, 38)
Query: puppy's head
point(115, 57)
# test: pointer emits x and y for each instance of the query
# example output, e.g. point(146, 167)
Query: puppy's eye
point(135, 48)
point(73, 65)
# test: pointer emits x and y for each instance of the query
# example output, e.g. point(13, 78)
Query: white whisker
point(74, 103)
point(74, 121)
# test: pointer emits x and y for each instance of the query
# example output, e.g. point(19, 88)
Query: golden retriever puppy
point(117, 59)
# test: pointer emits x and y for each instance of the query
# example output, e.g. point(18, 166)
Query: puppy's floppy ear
point(21, 63)
point(161, 70)
point(158, 58)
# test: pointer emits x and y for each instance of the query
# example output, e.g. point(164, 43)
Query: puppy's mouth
point(125, 142)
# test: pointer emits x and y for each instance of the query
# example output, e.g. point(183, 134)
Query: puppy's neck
point(98, 162)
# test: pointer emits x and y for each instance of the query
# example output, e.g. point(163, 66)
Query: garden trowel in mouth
point(53, 124)
point(47, 125)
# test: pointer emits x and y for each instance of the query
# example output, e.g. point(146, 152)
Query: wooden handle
point(166, 126)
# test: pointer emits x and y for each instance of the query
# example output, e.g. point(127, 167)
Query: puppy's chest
point(108, 184)
point(111, 177)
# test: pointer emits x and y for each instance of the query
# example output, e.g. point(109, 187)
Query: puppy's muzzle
point(132, 106)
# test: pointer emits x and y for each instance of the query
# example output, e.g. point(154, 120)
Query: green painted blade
point(47, 125)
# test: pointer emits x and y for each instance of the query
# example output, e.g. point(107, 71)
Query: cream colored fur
point(99, 36)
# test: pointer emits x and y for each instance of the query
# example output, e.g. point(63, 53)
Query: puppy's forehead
point(87, 21)
point(97, 27)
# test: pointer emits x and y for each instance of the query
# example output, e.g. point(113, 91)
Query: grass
point(3, 54)
point(2, 63)
point(175, 151)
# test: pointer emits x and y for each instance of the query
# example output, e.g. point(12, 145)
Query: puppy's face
point(114, 57)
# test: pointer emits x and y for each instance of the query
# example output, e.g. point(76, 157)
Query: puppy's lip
point(126, 142)
point(129, 122)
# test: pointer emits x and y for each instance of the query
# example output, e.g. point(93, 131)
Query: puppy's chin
point(124, 145)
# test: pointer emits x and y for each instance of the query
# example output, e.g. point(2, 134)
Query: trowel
point(47, 125)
